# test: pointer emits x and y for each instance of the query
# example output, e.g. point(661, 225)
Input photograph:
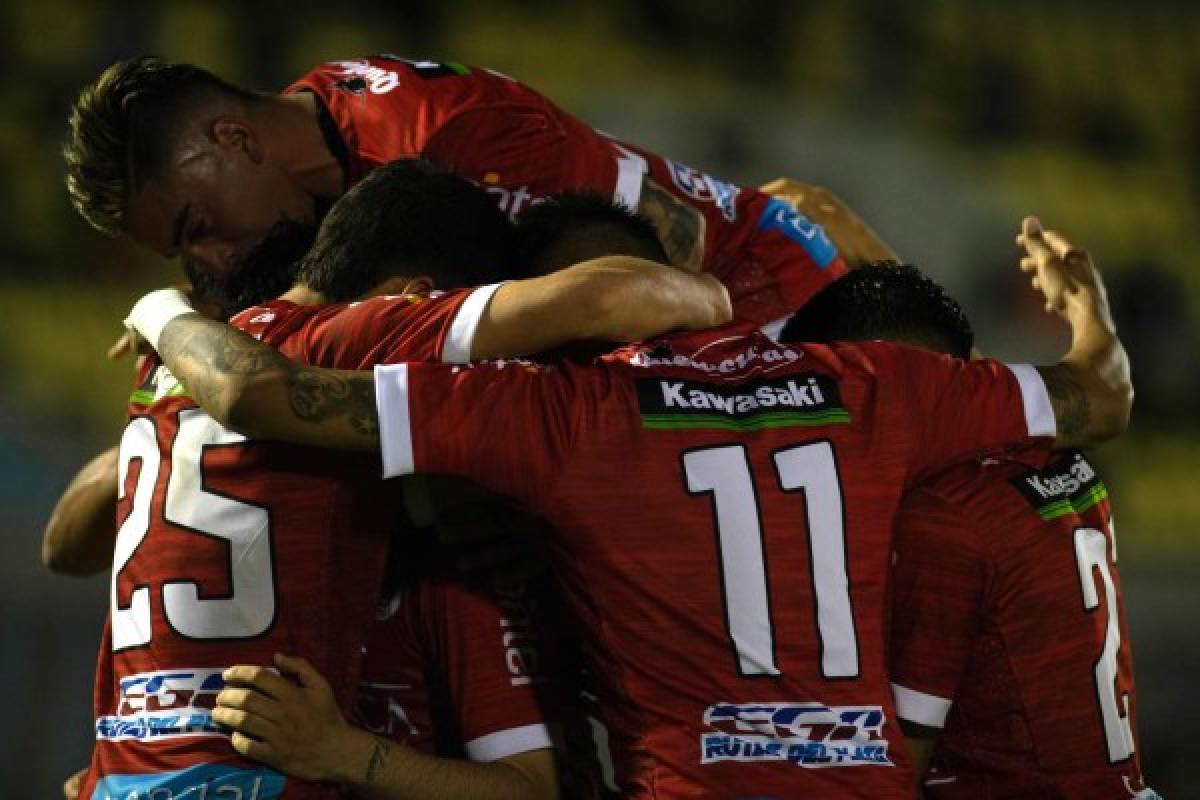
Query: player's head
point(571, 228)
point(408, 218)
point(884, 301)
point(178, 159)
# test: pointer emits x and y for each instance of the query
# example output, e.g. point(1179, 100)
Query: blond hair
point(120, 131)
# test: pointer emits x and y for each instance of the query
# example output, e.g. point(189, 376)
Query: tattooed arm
point(1090, 389)
point(252, 388)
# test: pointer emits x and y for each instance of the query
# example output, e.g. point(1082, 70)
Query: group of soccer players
point(752, 524)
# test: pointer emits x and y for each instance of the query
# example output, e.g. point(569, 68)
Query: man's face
point(214, 201)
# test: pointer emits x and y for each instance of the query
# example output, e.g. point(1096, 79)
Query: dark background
point(943, 123)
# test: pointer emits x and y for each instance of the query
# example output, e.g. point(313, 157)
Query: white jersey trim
point(459, 341)
point(1039, 414)
point(395, 428)
point(924, 709)
point(775, 329)
point(510, 742)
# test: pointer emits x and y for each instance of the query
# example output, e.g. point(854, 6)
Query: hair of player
point(409, 218)
point(121, 130)
point(568, 228)
point(888, 301)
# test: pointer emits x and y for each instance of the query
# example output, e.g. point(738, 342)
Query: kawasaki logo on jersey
point(780, 402)
point(1070, 485)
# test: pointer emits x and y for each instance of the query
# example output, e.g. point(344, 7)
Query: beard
point(263, 272)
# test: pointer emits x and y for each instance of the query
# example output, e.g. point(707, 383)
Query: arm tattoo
point(202, 353)
point(316, 395)
point(379, 754)
point(680, 227)
point(1072, 414)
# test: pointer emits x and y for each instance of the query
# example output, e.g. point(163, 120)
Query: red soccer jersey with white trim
point(230, 550)
point(722, 509)
point(1009, 629)
point(453, 669)
point(520, 147)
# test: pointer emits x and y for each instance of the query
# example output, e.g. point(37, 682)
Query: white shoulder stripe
point(510, 742)
point(1039, 414)
point(924, 709)
point(395, 428)
point(457, 347)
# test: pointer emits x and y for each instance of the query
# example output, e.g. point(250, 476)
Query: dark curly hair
point(884, 301)
point(412, 218)
point(568, 228)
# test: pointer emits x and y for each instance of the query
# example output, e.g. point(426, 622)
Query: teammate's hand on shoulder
point(288, 719)
point(855, 241)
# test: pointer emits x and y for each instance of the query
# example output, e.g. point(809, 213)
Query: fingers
point(73, 784)
point(302, 671)
point(121, 347)
point(252, 702)
point(246, 723)
point(262, 679)
point(259, 751)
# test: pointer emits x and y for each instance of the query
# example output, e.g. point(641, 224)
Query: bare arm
point(297, 728)
point(1090, 389)
point(854, 239)
point(615, 298)
point(82, 529)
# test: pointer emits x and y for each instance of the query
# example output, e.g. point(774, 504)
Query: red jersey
point(723, 510)
point(454, 670)
point(1009, 631)
point(230, 550)
point(520, 147)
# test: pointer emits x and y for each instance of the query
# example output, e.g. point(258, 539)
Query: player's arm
point(82, 529)
point(615, 299)
point(1090, 389)
point(291, 722)
point(939, 576)
point(854, 239)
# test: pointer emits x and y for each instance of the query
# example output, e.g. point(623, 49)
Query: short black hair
point(568, 228)
point(884, 300)
point(412, 218)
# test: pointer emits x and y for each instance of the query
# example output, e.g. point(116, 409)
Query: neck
point(303, 295)
point(298, 146)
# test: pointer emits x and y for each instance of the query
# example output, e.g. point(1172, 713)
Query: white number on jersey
point(724, 472)
point(249, 609)
point(1091, 554)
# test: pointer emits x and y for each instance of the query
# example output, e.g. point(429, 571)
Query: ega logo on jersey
point(805, 734)
point(158, 705)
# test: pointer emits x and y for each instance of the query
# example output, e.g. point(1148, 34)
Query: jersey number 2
point(249, 608)
point(1091, 554)
point(810, 469)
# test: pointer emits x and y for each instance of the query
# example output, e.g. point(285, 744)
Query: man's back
point(1009, 631)
point(520, 147)
point(230, 551)
point(722, 506)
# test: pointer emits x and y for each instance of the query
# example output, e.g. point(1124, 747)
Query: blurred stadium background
point(942, 123)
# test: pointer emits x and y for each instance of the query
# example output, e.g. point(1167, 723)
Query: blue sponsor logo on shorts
point(780, 216)
point(804, 734)
point(201, 782)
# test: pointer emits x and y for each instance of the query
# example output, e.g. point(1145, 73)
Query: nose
point(215, 255)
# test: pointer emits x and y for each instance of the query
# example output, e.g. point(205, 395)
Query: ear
point(231, 133)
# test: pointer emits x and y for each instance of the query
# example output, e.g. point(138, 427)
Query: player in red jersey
point(738, 651)
point(231, 550)
point(188, 164)
point(1009, 641)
